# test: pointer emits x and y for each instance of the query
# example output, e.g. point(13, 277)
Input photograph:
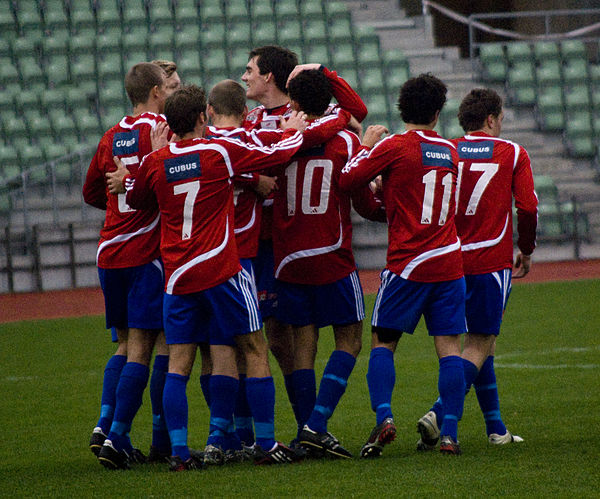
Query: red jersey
point(262, 118)
point(490, 172)
point(129, 237)
point(191, 181)
point(311, 216)
point(419, 170)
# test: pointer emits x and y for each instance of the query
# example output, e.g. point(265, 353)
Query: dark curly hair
point(477, 105)
point(420, 98)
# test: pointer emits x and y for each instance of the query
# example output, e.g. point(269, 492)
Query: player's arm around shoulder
point(94, 187)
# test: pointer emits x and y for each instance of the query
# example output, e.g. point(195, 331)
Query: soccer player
point(131, 276)
point(208, 295)
point(491, 172)
point(316, 279)
point(423, 274)
point(173, 81)
point(266, 77)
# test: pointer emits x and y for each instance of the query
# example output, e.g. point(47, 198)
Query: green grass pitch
point(548, 361)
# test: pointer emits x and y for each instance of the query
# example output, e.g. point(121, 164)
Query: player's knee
point(386, 334)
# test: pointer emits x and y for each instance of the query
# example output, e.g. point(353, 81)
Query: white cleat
point(428, 429)
point(507, 438)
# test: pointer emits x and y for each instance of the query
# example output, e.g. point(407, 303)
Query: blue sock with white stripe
point(451, 385)
point(176, 413)
point(130, 391)
point(332, 387)
point(223, 392)
point(261, 398)
point(305, 390)
point(487, 395)
point(205, 387)
point(112, 373)
point(242, 415)
point(381, 378)
point(160, 434)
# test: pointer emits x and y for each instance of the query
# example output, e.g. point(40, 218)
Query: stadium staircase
point(62, 64)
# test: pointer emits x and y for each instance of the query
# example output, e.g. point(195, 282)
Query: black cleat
point(97, 440)
point(213, 455)
point(279, 454)
point(157, 456)
point(321, 444)
point(194, 462)
point(136, 456)
point(113, 459)
point(381, 435)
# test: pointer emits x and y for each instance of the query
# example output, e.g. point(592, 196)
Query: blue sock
point(471, 373)
point(112, 373)
point(160, 434)
point(332, 387)
point(176, 413)
point(130, 391)
point(205, 387)
point(261, 398)
point(242, 415)
point(381, 378)
point(451, 385)
point(438, 408)
point(223, 392)
point(288, 381)
point(305, 392)
point(487, 395)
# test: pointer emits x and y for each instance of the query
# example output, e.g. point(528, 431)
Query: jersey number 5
point(190, 189)
point(291, 174)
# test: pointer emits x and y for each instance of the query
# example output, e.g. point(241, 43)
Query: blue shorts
point(264, 267)
point(487, 296)
point(215, 315)
point(338, 303)
point(400, 303)
point(133, 296)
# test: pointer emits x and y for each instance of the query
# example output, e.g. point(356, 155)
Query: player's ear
point(245, 113)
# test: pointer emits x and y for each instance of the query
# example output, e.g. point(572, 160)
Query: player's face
point(162, 94)
point(172, 84)
point(256, 85)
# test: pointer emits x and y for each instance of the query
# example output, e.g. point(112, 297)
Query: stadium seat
point(314, 32)
point(521, 83)
point(494, 71)
point(289, 32)
point(450, 110)
point(261, 11)
point(110, 67)
point(7, 23)
point(213, 36)
point(365, 35)
point(351, 77)
point(108, 44)
point(7, 100)
point(134, 13)
point(311, 10)
point(335, 10)
point(111, 116)
point(595, 75)
point(546, 51)
point(87, 124)
point(30, 71)
point(237, 12)
point(216, 62)
point(372, 81)
point(32, 163)
point(83, 68)
point(111, 93)
point(317, 54)
point(82, 96)
point(393, 59)
point(550, 224)
point(263, 34)
point(550, 108)
point(161, 40)
point(82, 43)
point(38, 125)
point(57, 70)
point(545, 188)
point(548, 74)
point(377, 105)
point(54, 150)
point(343, 57)
point(160, 14)
point(53, 98)
point(237, 64)
point(13, 125)
point(186, 15)
point(340, 31)
point(108, 14)
point(188, 66)
point(575, 72)
point(55, 15)
point(29, 17)
point(286, 10)
point(577, 98)
point(58, 43)
point(517, 52)
point(368, 56)
point(27, 99)
point(9, 73)
point(5, 47)
point(572, 49)
point(452, 130)
point(238, 35)
point(24, 46)
point(187, 39)
point(135, 40)
point(568, 219)
point(395, 78)
point(9, 163)
point(211, 12)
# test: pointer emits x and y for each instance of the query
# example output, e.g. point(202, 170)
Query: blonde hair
point(169, 67)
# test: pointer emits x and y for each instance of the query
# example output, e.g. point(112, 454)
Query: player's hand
point(355, 126)
point(114, 180)
point(266, 185)
point(376, 185)
point(298, 69)
point(373, 135)
point(297, 120)
point(159, 135)
point(522, 265)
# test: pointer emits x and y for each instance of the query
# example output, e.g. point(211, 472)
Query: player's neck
point(274, 99)
point(146, 107)
point(222, 121)
point(412, 126)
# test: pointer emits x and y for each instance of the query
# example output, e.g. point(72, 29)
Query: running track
point(89, 301)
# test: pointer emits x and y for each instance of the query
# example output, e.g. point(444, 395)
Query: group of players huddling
point(213, 229)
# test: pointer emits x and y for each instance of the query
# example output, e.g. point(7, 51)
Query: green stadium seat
point(237, 12)
point(518, 52)
point(264, 34)
point(546, 51)
point(53, 151)
point(550, 223)
point(57, 70)
point(7, 100)
point(545, 188)
point(211, 12)
point(582, 147)
point(336, 10)
point(395, 78)
point(9, 74)
point(83, 68)
point(7, 23)
point(351, 77)
point(82, 43)
point(108, 14)
point(393, 59)
point(450, 109)
point(29, 17)
point(317, 54)
point(136, 39)
point(5, 47)
point(340, 31)
point(111, 116)
point(239, 35)
point(215, 63)
point(494, 72)
point(548, 73)
point(314, 32)
point(187, 39)
point(378, 107)
point(53, 98)
point(38, 125)
point(87, 124)
point(491, 52)
point(368, 56)
point(595, 75)
point(286, 10)
point(289, 32)
point(24, 46)
point(82, 96)
point(452, 130)
point(13, 125)
point(261, 11)
point(568, 219)
point(365, 35)
point(188, 66)
point(55, 15)
point(186, 15)
point(237, 64)
point(311, 10)
point(595, 96)
point(108, 43)
point(32, 163)
point(573, 49)
point(81, 17)
point(57, 44)
point(579, 124)
point(521, 83)
point(27, 99)
point(111, 93)
point(550, 108)
point(343, 57)
point(30, 71)
point(160, 14)
point(372, 81)
point(213, 36)
point(575, 72)
point(160, 40)
point(134, 14)
point(9, 163)
point(577, 98)
point(552, 121)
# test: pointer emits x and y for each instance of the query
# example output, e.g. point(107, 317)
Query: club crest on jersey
point(182, 167)
point(126, 143)
point(476, 150)
point(436, 155)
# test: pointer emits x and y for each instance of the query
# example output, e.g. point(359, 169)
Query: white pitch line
point(549, 352)
point(555, 366)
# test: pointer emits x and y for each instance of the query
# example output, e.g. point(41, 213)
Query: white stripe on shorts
point(386, 277)
point(358, 296)
point(245, 281)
